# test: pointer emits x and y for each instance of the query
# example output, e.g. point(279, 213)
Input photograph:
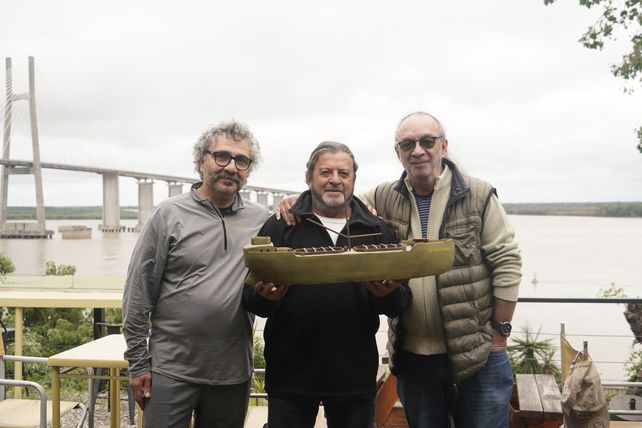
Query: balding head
point(419, 115)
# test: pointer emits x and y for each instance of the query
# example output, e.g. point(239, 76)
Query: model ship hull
point(331, 265)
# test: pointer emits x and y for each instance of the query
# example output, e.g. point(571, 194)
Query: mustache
point(226, 176)
point(333, 188)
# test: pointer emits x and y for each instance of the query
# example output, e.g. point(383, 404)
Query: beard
point(325, 201)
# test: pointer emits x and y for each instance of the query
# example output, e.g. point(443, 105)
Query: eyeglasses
point(224, 158)
point(426, 142)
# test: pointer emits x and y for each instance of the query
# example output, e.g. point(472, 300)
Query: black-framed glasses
point(426, 142)
point(223, 159)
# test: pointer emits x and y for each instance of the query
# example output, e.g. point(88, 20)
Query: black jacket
point(320, 339)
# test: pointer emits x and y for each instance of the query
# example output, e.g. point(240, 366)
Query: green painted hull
point(281, 265)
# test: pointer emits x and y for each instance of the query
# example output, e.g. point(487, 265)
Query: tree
point(623, 16)
point(60, 270)
point(6, 266)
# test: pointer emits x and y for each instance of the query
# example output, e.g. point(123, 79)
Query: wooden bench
point(538, 402)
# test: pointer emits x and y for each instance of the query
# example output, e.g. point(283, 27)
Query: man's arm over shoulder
point(501, 251)
point(368, 197)
point(142, 286)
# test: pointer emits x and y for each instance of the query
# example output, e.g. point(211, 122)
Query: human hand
point(382, 288)
point(270, 291)
point(282, 211)
point(141, 387)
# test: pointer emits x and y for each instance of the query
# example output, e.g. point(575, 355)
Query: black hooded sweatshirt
point(320, 339)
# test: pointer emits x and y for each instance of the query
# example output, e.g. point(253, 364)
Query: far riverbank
point(577, 209)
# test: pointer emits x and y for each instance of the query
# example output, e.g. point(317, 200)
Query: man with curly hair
point(185, 280)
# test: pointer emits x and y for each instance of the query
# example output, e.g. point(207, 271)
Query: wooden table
point(539, 400)
point(106, 352)
point(22, 292)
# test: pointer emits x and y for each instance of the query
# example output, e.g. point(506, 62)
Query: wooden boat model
point(331, 265)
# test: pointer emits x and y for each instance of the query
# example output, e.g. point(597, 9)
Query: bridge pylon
point(22, 229)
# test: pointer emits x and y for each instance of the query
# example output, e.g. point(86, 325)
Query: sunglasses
point(426, 142)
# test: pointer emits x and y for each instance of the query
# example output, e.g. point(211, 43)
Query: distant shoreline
point(70, 213)
point(587, 209)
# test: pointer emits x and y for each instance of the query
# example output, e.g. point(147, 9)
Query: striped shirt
point(423, 205)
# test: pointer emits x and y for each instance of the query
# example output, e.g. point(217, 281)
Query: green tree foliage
point(622, 17)
point(6, 266)
point(633, 364)
point(532, 355)
point(49, 331)
point(60, 270)
point(258, 380)
point(612, 291)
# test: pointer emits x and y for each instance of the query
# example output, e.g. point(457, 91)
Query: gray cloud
point(131, 85)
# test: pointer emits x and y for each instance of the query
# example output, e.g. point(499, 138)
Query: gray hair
point(233, 129)
point(442, 130)
point(327, 147)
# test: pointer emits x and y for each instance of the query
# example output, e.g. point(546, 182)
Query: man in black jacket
point(320, 339)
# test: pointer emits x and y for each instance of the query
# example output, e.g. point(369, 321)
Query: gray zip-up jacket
point(186, 277)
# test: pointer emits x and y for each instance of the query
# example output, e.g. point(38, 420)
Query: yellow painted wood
point(114, 398)
point(48, 298)
point(18, 342)
point(66, 281)
point(55, 397)
point(106, 352)
point(27, 294)
point(16, 413)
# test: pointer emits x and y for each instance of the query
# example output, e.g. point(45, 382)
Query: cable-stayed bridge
point(111, 203)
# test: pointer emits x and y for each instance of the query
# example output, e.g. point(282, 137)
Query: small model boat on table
point(332, 265)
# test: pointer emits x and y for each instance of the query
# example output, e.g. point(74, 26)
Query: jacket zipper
point(218, 212)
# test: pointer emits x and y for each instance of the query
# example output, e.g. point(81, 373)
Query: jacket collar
point(458, 186)
point(207, 202)
point(360, 212)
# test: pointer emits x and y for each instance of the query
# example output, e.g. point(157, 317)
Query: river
point(563, 257)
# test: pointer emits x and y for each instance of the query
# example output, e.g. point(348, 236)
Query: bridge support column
point(262, 198)
point(276, 200)
point(145, 199)
point(245, 194)
point(111, 202)
point(175, 189)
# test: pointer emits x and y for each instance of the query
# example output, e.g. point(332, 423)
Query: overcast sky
point(131, 85)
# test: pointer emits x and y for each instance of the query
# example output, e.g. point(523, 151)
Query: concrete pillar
point(175, 189)
point(111, 202)
point(37, 170)
point(245, 194)
point(145, 200)
point(6, 142)
point(276, 198)
point(262, 198)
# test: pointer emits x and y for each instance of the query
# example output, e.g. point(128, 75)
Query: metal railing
point(617, 300)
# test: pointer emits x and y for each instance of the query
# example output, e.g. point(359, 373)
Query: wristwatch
point(504, 328)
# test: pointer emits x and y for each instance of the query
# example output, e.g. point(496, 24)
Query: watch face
point(505, 328)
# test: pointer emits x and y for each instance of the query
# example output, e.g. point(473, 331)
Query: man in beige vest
point(449, 349)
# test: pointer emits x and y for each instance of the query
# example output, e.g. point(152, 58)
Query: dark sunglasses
point(426, 142)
